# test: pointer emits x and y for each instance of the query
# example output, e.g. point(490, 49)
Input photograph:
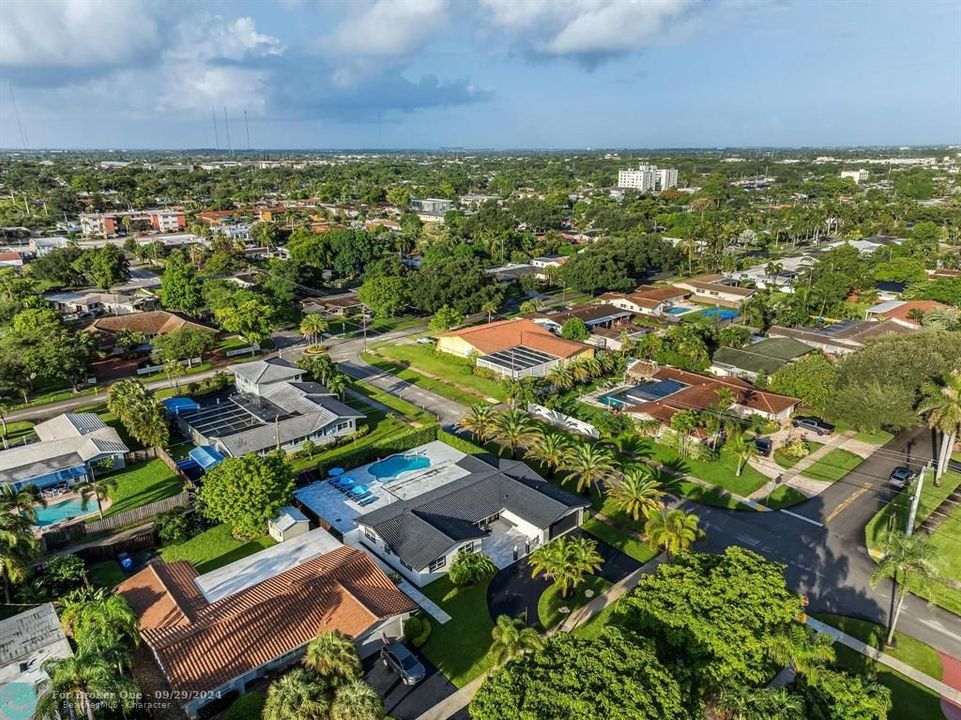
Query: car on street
point(814, 424)
point(402, 661)
point(901, 476)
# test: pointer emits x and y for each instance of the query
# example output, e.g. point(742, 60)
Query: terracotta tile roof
point(902, 312)
point(201, 646)
point(654, 292)
point(503, 334)
point(154, 322)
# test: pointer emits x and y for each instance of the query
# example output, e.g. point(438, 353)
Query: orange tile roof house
point(514, 348)
point(901, 311)
point(715, 290)
point(151, 324)
point(213, 637)
point(647, 299)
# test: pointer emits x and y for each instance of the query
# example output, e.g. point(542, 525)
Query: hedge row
point(459, 443)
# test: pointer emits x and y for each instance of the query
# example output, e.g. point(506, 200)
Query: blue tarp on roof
point(206, 456)
point(177, 405)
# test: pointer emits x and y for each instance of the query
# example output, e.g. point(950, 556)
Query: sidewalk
point(793, 476)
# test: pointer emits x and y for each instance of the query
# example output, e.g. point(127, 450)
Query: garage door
point(568, 522)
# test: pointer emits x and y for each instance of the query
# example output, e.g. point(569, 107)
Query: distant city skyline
point(484, 74)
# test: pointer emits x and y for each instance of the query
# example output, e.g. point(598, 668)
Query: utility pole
point(227, 128)
point(247, 128)
point(909, 530)
point(213, 116)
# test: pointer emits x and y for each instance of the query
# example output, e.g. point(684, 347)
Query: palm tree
point(909, 561)
point(941, 405)
point(515, 428)
point(77, 682)
point(530, 306)
point(312, 327)
point(590, 463)
point(17, 546)
point(338, 384)
point(104, 622)
point(4, 409)
point(356, 701)
point(99, 489)
point(561, 377)
point(807, 655)
point(748, 703)
point(490, 307)
point(513, 637)
point(481, 422)
point(743, 447)
point(296, 695)
point(334, 657)
point(682, 423)
point(550, 449)
point(566, 561)
point(672, 531)
point(637, 492)
point(23, 501)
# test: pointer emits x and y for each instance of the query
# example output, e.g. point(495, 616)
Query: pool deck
point(66, 497)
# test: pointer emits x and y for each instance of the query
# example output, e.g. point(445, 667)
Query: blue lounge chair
point(359, 490)
point(367, 500)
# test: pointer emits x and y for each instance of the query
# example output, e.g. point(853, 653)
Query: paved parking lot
point(400, 701)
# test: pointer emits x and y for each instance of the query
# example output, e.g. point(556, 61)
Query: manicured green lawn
point(449, 368)
point(214, 548)
point(18, 431)
point(720, 472)
point(627, 544)
point(393, 402)
point(833, 466)
point(911, 701)
point(444, 389)
point(460, 647)
point(142, 484)
point(874, 438)
point(106, 574)
point(788, 462)
point(784, 496)
point(550, 603)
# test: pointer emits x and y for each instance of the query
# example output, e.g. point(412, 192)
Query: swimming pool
point(397, 465)
point(61, 511)
point(679, 310)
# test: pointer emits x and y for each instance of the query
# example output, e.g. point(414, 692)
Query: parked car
point(765, 446)
point(402, 661)
point(426, 340)
point(901, 476)
point(813, 424)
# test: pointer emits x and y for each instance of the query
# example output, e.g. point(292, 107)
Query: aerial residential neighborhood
point(420, 360)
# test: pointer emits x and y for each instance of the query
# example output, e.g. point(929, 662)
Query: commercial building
point(118, 223)
point(859, 176)
point(647, 178)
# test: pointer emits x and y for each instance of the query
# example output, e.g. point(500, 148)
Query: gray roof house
point(27, 640)
point(68, 446)
point(501, 507)
point(273, 407)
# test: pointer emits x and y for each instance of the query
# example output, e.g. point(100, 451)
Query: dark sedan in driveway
point(814, 424)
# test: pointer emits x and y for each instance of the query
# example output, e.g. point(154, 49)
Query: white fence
point(157, 368)
point(563, 421)
point(243, 351)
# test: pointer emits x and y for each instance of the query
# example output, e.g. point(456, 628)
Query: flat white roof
point(265, 564)
point(29, 639)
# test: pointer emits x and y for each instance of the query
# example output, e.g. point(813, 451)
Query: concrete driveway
point(403, 702)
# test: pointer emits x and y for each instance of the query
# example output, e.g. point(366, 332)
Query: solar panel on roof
point(518, 358)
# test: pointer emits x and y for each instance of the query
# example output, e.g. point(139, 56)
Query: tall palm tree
point(513, 637)
point(589, 463)
point(338, 384)
point(296, 695)
point(550, 449)
point(104, 622)
point(683, 422)
point(334, 657)
point(356, 701)
point(78, 682)
point(561, 377)
point(803, 652)
point(490, 307)
point(672, 531)
point(749, 703)
point(637, 492)
point(514, 428)
point(98, 489)
point(481, 422)
point(941, 405)
point(312, 327)
point(743, 447)
point(566, 561)
point(17, 546)
point(530, 306)
point(23, 501)
point(909, 562)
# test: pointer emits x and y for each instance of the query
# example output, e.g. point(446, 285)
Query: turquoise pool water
point(678, 310)
point(397, 464)
point(54, 513)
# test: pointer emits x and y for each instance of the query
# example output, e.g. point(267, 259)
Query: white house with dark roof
point(272, 408)
point(69, 446)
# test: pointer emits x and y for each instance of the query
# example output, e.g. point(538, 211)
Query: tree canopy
point(245, 492)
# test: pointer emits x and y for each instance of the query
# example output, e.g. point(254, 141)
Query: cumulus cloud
point(590, 31)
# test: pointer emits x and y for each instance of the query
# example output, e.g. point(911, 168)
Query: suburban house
point(647, 299)
point(840, 338)
point(766, 356)
point(905, 312)
point(868, 245)
point(340, 305)
point(95, 303)
point(28, 640)
point(214, 634)
point(69, 446)
point(543, 262)
point(513, 348)
point(11, 258)
point(151, 324)
point(513, 272)
point(273, 407)
point(501, 508)
point(662, 392)
point(780, 275)
point(715, 290)
point(607, 323)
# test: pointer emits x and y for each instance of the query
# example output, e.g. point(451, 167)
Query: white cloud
point(586, 29)
point(212, 37)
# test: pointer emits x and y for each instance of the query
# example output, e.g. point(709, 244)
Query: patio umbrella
point(335, 471)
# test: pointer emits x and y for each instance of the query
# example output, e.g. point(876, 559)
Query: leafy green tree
point(265, 233)
point(575, 329)
point(445, 319)
point(103, 267)
point(812, 378)
point(565, 561)
point(841, 696)
point(180, 287)
point(512, 637)
point(252, 319)
point(612, 676)
point(245, 492)
point(470, 568)
point(384, 294)
point(459, 282)
point(57, 267)
point(333, 656)
point(183, 343)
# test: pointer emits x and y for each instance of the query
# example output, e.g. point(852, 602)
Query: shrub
point(487, 373)
point(65, 572)
point(398, 443)
point(424, 636)
point(246, 707)
point(459, 443)
point(172, 526)
point(413, 627)
point(470, 568)
point(795, 449)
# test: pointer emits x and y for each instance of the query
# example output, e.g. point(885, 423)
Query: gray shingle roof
point(429, 525)
point(266, 371)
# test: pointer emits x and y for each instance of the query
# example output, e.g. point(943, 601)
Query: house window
point(437, 564)
point(370, 535)
point(470, 547)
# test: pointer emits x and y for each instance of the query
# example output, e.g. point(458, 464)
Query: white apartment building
point(647, 178)
point(859, 176)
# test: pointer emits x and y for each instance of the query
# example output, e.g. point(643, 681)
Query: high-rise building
point(647, 178)
point(859, 176)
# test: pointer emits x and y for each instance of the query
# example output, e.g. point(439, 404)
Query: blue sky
point(480, 73)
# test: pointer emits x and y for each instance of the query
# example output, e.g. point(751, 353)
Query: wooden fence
point(132, 517)
point(138, 456)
